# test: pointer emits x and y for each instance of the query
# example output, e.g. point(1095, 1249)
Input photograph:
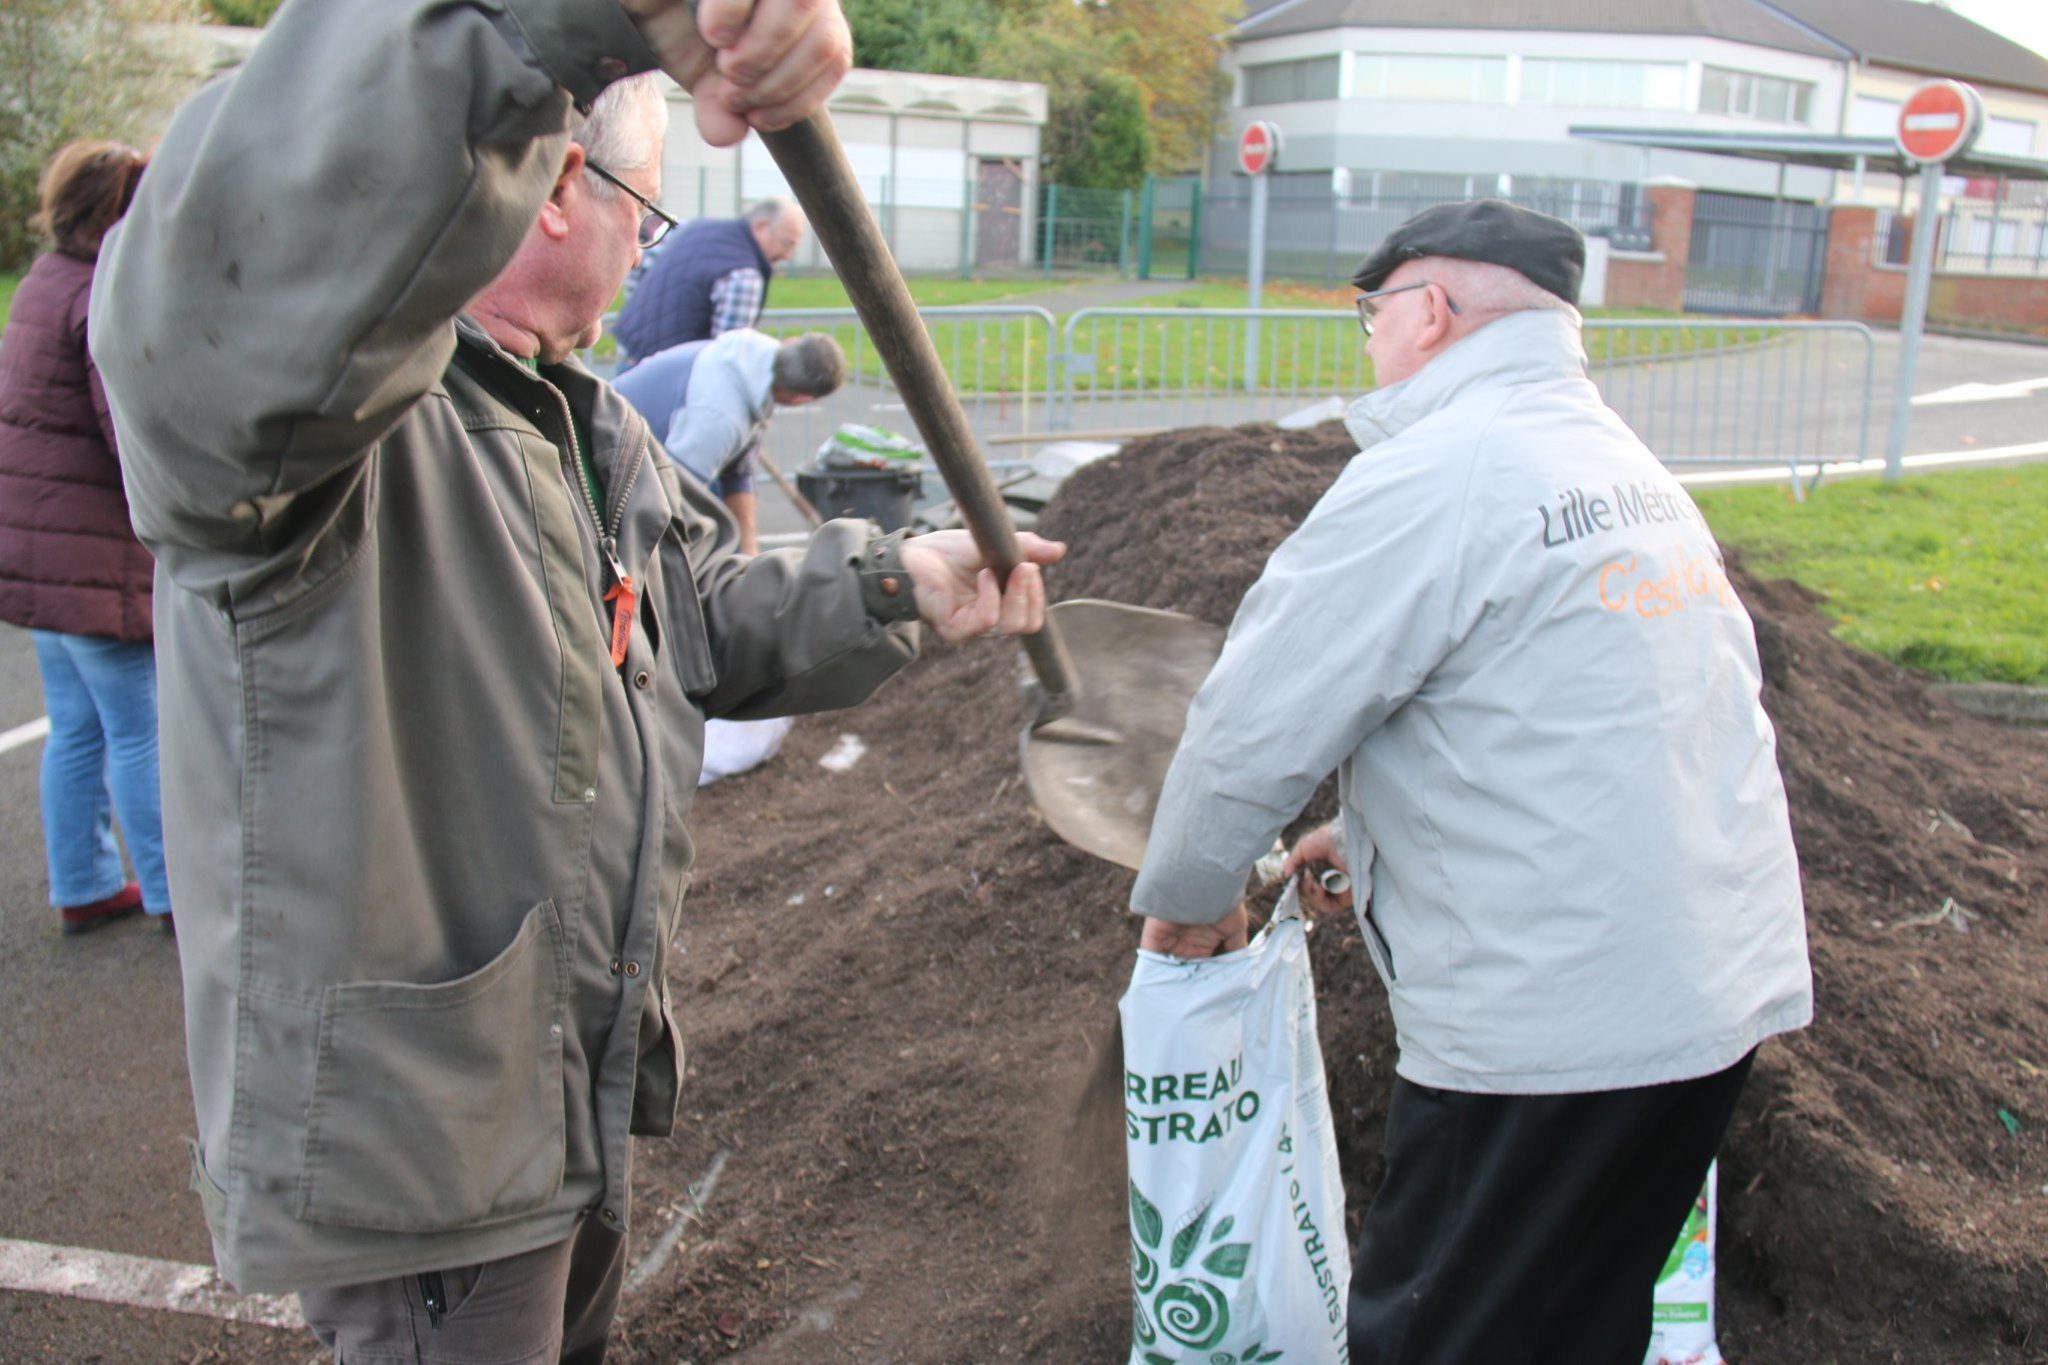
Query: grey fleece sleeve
point(283, 289)
point(1345, 624)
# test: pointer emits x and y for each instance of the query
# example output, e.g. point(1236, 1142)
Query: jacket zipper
point(607, 537)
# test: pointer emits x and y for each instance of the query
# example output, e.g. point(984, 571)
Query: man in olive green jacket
point(438, 635)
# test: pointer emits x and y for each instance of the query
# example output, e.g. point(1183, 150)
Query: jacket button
point(642, 679)
point(615, 966)
point(611, 1216)
point(632, 969)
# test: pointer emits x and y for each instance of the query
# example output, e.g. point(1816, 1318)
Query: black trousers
point(1518, 1229)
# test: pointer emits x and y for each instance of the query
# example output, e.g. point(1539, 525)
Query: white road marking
point(24, 734)
point(138, 1282)
point(1978, 392)
point(691, 1211)
point(1840, 469)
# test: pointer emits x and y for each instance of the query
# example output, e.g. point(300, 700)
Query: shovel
point(1113, 681)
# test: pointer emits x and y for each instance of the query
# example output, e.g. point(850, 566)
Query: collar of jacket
point(1521, 348)
point(616, 430)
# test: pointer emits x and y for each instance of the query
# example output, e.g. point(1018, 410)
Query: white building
point(950, 164)
point(1456, 97)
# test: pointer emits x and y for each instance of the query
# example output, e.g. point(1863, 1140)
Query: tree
point(944, 37)
point(244, 13)
point(1100, 140)
point(80, 69)
point(1171, 49)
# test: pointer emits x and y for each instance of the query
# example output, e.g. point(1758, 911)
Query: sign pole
point(1255, 282)
point(1911, 321)
point(1257, 149)
point(1937, 123)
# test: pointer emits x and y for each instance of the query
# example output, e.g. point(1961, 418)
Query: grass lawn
point(8, 279)
point(1940, 572)
point(930, 291)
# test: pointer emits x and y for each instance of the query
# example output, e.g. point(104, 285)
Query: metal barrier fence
point(1002, 360)
point(1734, 391)
point(1698, 391)
point(1976, 237)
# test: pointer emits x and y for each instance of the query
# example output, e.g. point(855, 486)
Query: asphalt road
point(94, 1105)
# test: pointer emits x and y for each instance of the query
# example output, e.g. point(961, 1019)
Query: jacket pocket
point(1375, 942)
point(440, 1107)
point(689, 641)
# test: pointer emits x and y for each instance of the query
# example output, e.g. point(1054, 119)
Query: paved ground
point(94, 1105)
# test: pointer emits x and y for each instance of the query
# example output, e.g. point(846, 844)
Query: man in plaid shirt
point(711, 277)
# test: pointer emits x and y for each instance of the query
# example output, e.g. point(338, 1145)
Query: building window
point(2014, 137)
point(1314, 78)
point(1403, 76)
point(1746, 94)
point(1603, 85)
point(1872, 117)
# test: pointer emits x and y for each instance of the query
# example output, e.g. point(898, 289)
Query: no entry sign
point(1258, 148)
point(1939, 121)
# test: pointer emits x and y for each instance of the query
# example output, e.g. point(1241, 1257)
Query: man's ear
point(554, 213)
point(1437, 322)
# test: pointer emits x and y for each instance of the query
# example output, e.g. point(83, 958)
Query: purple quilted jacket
point(69, 560)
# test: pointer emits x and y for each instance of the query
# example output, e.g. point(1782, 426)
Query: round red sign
point(1939, 120)
point(1258, 148)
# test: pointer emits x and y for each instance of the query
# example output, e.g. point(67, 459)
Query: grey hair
point(625, 129)
point(771, 210)
point(810, 364)
point(1482, 287)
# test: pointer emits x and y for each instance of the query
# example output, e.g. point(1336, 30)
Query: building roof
point(1828, 150)
point(1913, 36)
point(1742, 21)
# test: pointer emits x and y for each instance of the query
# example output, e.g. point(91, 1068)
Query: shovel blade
point(1095, 773)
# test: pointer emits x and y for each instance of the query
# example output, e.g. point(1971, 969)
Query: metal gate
point(1757, 257)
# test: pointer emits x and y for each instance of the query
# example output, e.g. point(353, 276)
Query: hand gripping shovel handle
point(814, 163)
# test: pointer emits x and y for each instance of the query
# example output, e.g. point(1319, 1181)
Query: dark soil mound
point(892, 978)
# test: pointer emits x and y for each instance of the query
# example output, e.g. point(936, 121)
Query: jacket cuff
point(584, 46)
point(885, 587)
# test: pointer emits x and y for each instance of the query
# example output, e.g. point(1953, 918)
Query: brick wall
point(1857, 287)
point(1656, 278)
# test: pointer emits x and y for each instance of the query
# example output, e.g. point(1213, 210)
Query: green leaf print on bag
point(1193, 1312)
point(1144, 1270)
point(1145, 1219)
point(1228, 1261)
point(1184, 1240)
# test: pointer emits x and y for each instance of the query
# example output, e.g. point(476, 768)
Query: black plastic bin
point(884, 496)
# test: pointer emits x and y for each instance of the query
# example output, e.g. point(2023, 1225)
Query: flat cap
point(1550, 251)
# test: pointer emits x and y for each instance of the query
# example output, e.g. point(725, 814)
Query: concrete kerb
point(2010, 703)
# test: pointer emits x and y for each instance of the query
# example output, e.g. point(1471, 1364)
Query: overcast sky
point(2023, 21)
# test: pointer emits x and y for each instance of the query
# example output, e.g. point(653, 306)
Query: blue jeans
point(98, 765)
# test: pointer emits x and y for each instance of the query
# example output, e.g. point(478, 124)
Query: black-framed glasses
point(654, 224)
point(1369, 304)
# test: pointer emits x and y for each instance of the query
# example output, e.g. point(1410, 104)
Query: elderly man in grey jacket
point(1508, 631)
point(438, 636)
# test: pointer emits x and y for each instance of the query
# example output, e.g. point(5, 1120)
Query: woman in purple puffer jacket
point(71, 569)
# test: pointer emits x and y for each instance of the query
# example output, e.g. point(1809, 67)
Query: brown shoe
point(83, 919)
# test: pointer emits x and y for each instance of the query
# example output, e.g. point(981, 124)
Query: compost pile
point(893, 977)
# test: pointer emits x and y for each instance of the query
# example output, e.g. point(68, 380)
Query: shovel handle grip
point(815, 165)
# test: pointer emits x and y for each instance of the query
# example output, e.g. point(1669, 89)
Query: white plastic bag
point(736, 746)
point(1682, 1311)
point(1237, 1210)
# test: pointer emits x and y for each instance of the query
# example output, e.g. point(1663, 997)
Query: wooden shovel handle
point(814, 163)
